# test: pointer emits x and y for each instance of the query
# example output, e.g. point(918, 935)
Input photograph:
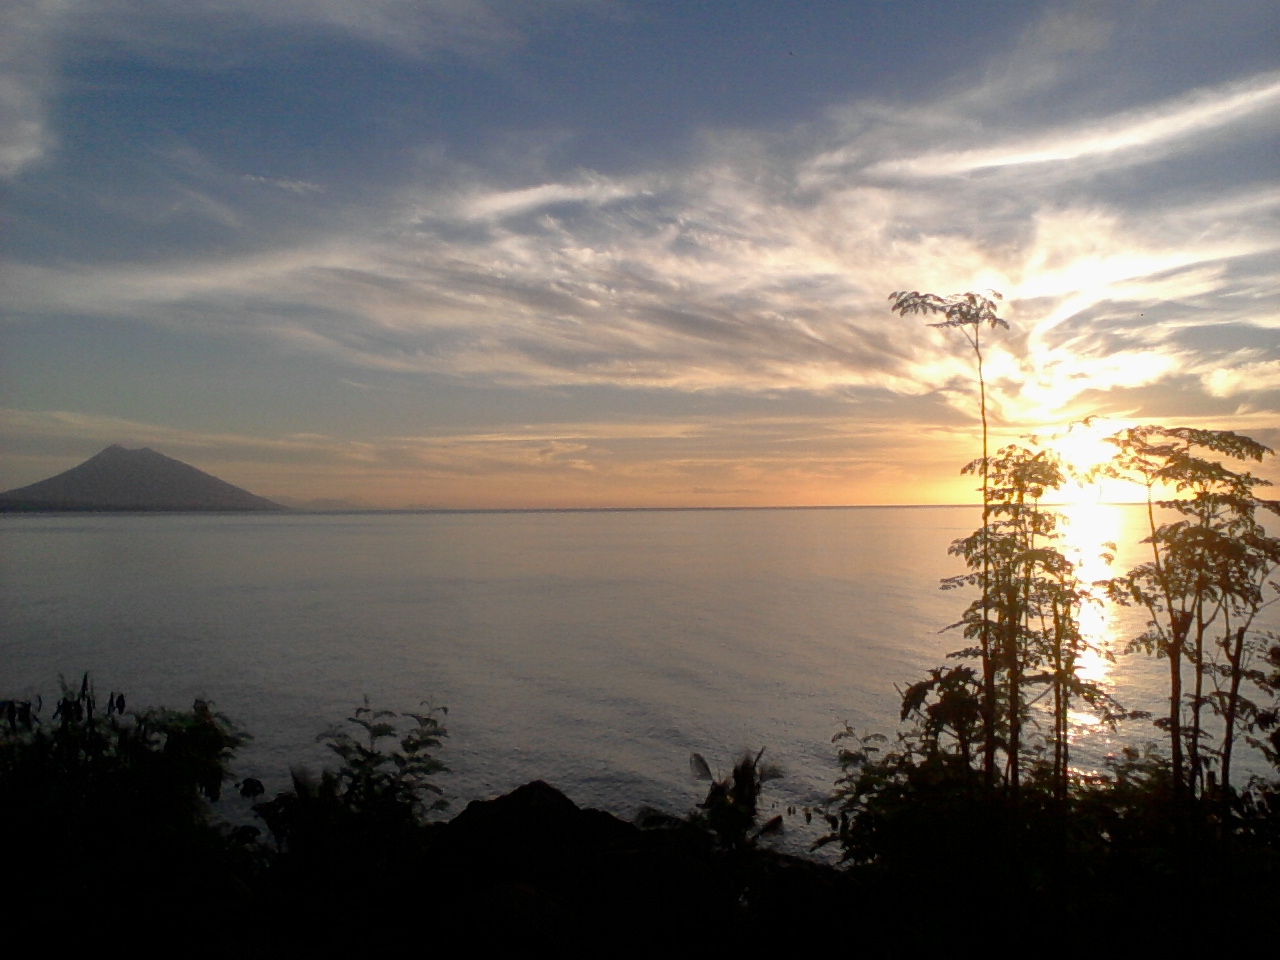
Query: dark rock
point(531, 868)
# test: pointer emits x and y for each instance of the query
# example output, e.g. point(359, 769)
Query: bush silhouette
point(96, 801)
point(369, 814)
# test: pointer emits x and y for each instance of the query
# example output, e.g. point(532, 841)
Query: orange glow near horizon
point(1085, 450)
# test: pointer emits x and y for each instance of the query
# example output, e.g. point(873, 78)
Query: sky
point(604, 253)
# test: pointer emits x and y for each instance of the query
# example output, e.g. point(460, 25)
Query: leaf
point(698, 766)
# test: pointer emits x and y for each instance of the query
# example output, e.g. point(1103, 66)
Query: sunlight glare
point(1081, 719)
point(1084, 449)
point(1088, 529)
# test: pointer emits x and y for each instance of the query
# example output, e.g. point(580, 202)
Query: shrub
point(371, 810)
point(89, 768)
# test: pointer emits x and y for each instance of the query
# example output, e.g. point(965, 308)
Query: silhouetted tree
point(1029, 610)
point(1204, 586)
point(968, 313)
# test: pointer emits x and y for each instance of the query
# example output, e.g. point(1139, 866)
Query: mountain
point(120, 479)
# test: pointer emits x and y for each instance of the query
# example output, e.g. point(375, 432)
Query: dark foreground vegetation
point(107, 833)
point(108, 840)
point(971, 831)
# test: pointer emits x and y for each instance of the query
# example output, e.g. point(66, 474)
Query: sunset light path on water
point(1090, 532)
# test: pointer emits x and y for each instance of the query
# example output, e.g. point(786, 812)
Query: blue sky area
point(476, 253)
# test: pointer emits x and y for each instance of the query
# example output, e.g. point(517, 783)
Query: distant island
point(324, 505)
point(118, 479)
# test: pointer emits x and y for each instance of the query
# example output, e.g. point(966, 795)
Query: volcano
point(120, 479)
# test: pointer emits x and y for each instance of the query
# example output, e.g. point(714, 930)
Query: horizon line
point(638, 509)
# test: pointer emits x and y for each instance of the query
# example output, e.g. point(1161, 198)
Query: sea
point(595, 650)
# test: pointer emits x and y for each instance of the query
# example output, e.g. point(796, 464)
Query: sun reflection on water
point(1090, 530)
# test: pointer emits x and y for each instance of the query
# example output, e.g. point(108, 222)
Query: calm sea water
point(595, 650)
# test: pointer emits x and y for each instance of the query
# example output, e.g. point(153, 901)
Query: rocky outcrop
point(532, 869)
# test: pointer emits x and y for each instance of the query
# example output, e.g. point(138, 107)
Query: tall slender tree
point(969, 313)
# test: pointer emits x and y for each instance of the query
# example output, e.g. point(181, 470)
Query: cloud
point(762, 264)
point(199, 30)
point(1052, 51)
point(39, 37)
point(495, 205)
point(1244, 377)
point(1139, 136)
point(56, 430)
point(293, 186)
point(27, 76)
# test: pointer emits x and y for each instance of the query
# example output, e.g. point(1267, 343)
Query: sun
point(1084, 449)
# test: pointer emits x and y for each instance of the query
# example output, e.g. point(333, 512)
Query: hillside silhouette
point(121, 479)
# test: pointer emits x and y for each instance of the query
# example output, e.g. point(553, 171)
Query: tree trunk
point(1235, 656)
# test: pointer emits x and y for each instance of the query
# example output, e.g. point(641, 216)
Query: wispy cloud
point(1244, 376)
point(1138, 136)
point(759, 266)
point(39, 37)
point(28, 72)
point(735, 273)
point(293, 186)
point(167, 29)
point(593, 191)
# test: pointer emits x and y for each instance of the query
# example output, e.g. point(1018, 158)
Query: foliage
point(1207, 581)
point(728, 819)
point(371, 778)
point(372, 808)
point(97, 792)
point(969, 789)
point(1267, 719)
point(94, 794)
point(1024, 629)
point(896, 807)
point(968, 313)
point(731, 810)
point(92, 765)
point(962, 310)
